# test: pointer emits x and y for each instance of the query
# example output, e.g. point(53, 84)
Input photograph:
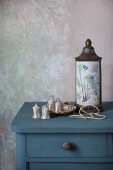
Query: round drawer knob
point(66, 146)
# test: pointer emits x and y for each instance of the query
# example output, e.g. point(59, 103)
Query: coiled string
point(93, 115)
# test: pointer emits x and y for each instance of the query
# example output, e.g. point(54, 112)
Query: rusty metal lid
point(88, 53)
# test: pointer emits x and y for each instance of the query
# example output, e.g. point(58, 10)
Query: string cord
point(91, 114)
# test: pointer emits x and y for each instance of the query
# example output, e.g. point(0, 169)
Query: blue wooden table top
point(23, 122)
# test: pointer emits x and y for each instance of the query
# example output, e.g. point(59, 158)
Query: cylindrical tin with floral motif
point(88, 77)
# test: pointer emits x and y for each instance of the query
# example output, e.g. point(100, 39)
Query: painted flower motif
point(85, 67)
point(91, 77)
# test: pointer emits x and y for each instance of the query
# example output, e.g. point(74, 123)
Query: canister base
point(89, 108)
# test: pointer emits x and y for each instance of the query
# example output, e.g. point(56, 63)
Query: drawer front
point(71, 166)
point(50, 145)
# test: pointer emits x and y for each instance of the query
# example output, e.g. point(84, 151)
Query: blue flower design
point(85, 67)
point(91, 77)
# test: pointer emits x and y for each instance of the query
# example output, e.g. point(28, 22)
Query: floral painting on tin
point(88, 83)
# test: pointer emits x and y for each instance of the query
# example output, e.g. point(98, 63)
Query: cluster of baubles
point(40, 112)
point(53, 105)
point(57, 105)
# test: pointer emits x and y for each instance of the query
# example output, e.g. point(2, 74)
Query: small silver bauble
point(58, 105)
point(36, 112)
point(45, 112)
point(51, 104)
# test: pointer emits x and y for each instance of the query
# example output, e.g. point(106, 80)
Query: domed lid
point(88, 53)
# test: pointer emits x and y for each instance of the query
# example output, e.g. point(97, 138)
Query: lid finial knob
point(88, 43)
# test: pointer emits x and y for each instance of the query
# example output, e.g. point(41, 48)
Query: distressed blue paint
point(20, 152)
point(70, 166)
point(39, 142)
point(24, 123)
point(50, 145)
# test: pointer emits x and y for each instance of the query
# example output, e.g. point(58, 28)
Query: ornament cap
point(88, 43)
point(88, 53)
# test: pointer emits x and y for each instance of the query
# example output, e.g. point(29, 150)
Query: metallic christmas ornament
point(45, 112)
point(51, 104)
point(36, 112)
point(58, 105)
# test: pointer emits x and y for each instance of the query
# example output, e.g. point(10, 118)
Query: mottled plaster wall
point(39, 40)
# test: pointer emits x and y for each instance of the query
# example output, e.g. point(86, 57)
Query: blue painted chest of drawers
point(62, 142)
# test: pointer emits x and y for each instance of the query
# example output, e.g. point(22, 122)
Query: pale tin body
point(87, 82)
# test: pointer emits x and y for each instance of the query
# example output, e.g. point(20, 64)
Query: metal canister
point(88, 77)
